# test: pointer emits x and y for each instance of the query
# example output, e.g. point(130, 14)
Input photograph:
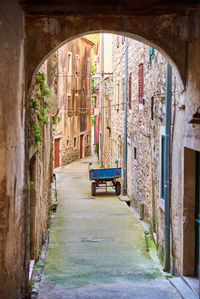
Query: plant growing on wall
point(39, 108)
point(55, 119)
point(96, 149)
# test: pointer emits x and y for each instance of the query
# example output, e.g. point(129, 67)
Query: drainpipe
point(167, 187)
point(125, 118)
point(101, 90)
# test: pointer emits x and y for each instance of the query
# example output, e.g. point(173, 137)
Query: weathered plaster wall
point(40, 165)
point(74, 113)
point(162, 32)
point(14, 228)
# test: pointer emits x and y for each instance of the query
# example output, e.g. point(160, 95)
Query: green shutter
point(151, 55)
point(162, 167)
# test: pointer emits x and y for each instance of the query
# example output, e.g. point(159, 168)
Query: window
point(68, 142)
point(162, 190)
point(135, 153)
point(140, 83)
point(74, 142)
point(89, 69)
point(151, 55)
point(77, 105)
point(69, 63)
point(77, 65)
point(69, 106)
point(118, 41)
point(123, 93)
point(152, 107)
point(129, 90)
point(117, 96)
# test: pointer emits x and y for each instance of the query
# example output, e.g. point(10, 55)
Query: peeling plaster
point(51, 26)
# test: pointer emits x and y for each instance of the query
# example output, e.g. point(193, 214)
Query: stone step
point(184, 290)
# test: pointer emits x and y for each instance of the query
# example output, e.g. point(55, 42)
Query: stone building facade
point(42, 108)
point(146, 81)
point(72, 135)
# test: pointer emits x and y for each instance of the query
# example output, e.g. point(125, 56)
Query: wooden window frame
point(130, 91)
point(162, 167)
point(69, 63)
point(140, 82)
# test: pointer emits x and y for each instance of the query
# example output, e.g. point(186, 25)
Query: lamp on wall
point(96, 78)
point(196, 117)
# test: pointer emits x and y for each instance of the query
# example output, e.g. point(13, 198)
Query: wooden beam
point(92, 8)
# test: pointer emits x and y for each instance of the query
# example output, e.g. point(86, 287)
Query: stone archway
point(174, 36)
point(168, 34)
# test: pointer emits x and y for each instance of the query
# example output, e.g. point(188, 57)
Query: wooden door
point(56, 152)
point(197, 215)
point(81, 146)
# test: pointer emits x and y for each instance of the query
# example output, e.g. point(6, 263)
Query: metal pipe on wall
point(167, 167)
point(101, 93)
point(125, 117)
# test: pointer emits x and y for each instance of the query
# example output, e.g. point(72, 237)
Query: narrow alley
point(97, 247)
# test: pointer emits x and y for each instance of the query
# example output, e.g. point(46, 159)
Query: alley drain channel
point(87, 198)
point(95, 240)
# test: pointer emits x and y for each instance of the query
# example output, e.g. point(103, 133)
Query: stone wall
point(14, 228)
point(145, 121)
point(74, 96)
point(40, 166)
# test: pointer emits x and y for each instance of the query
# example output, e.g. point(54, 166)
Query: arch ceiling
point(167, 27)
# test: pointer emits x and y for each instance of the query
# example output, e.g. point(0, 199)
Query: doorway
point(81, 146)
point(56, 152)
point(191, 213)
point(197, 213)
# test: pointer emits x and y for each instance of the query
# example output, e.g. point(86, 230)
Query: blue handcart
point(101, 178)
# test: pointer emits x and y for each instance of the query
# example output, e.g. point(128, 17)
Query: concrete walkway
point(97, 247)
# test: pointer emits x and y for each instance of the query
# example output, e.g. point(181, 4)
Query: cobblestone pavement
point(97, 247)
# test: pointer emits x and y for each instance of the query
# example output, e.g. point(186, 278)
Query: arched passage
point(168, 34)
point(178, 37)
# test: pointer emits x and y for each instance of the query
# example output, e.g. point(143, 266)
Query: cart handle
point(89, 166)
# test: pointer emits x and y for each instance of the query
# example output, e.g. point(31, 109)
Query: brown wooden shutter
point(56, 152)
point(69, 106)
point(129, 90)
point(140, 83)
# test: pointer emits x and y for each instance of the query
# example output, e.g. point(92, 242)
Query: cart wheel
point(118, 188)
point(93, 189)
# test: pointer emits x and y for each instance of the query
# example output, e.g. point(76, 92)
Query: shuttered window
point(69, 106)
point(69, 63)
point(77, 105)
point(162, 185)
point(123, 93)
point(77, 65)
point(151, 55)
point(117, 96)
point(129, 90)
point(140, 82)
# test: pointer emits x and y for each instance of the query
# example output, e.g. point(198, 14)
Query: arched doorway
point(53, 26)
point(182, 38)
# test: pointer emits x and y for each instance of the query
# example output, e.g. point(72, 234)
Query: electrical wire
point(114, 105)
point(83, 75)
point(122, 55)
